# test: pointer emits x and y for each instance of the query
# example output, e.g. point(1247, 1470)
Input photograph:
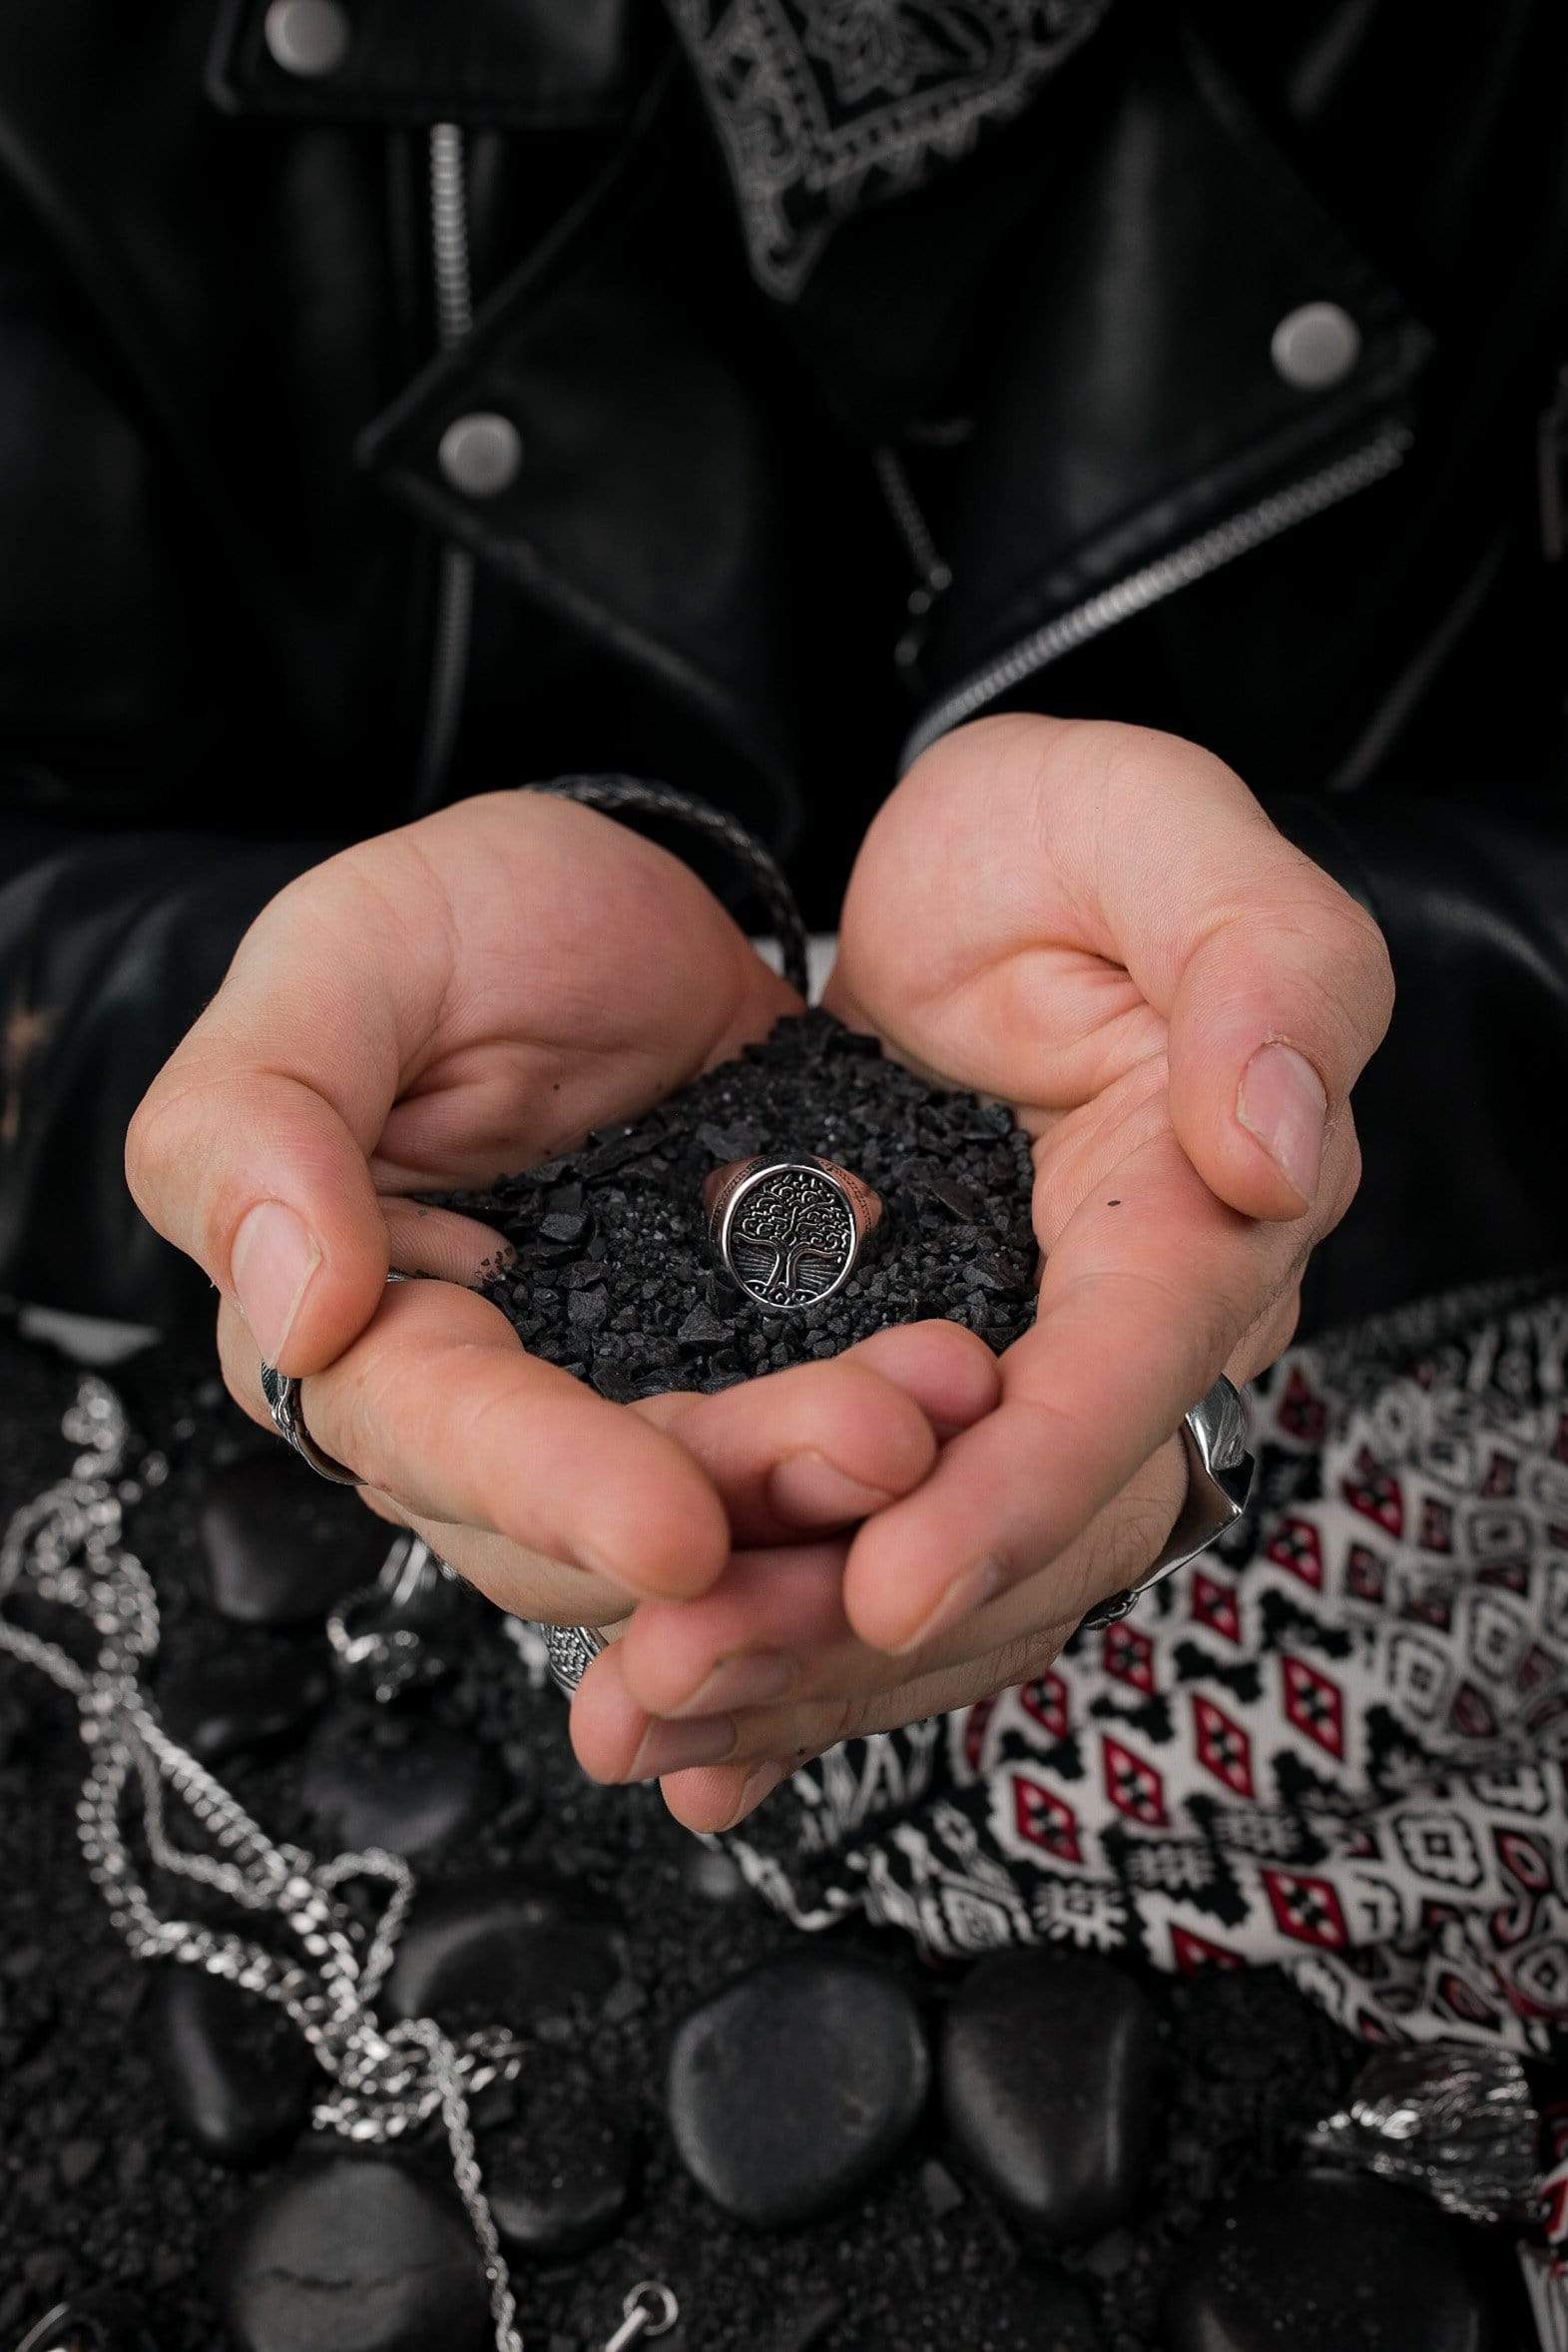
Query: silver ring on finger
point(282, 1391)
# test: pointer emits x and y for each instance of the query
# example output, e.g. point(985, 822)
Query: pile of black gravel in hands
point(614, 1279)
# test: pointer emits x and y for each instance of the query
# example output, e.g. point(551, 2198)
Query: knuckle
point(157, 1134)
point(838, 1720)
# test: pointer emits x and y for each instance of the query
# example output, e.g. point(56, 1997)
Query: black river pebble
point(396, 1780)
point(351, 2254)
point(1328, 2264)
point(797, 2085)
point(503, 1951)
point(282, 1546)
point(558, 2157)
point(1047, 2069)
point(237, 2075)
point(241, 1699)
point(612, 1277)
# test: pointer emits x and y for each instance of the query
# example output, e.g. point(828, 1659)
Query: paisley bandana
point(825, 106)
point(1338, 1742)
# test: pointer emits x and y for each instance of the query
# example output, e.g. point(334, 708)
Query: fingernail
point(1282, 1101)
point(272, 1262)
point(815, 1492)
point(966, 1594)
point(751, 1678)
point(671, 1747)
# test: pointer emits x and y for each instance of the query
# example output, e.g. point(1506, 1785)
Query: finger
point(525, 1583)
point(250, 1149)
point(720, 1796)
point(1141, 1307)
point(438, 1407)
point(616, 1742)
point(772, 1629)
point(770, 1624)
point(739, 1441)
point(423, 1239)
point(825, 1444)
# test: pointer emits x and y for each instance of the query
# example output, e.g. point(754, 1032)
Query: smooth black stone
point(1047, 2073)
point(351, 2254)
point(397, 1781)
point(241, 1701)
point(89, 2323)
point(1324, 2263)
point(559, 2169)
point(282, 1546)
point(796, 2085)
point(503, 1951)
point(237, 2079)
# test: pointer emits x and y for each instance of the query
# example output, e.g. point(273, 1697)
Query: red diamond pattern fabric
point(1337, 1743)
point(1222, 1746)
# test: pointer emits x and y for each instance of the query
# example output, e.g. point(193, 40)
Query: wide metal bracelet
point(1218, 1481)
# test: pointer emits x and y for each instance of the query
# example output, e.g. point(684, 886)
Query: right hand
point(423, 1012)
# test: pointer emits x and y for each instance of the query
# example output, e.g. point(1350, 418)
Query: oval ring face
point(788, 1236)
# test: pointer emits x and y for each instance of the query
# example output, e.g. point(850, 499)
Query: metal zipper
point(452, 631)
point(934, 578)
point(1237, 535)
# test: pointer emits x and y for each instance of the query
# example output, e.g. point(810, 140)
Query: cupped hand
point(1099, 926)
point(459, 998)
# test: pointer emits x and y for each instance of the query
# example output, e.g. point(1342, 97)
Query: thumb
point(250, 1151)
point(1276, 1011)
point(254, 1175)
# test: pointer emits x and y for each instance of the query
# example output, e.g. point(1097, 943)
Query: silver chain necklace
point(66, 1548)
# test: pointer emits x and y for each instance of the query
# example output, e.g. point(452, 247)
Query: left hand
point(1098, 924)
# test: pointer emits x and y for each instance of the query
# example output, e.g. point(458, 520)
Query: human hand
point(1098, 924)
point(463, 995)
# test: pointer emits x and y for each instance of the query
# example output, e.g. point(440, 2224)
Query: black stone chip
point(613, 1276)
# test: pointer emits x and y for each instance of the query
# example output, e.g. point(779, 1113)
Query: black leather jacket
point(233, 624)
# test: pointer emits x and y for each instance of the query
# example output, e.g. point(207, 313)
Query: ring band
point(282, 1391)
point(789, 1232)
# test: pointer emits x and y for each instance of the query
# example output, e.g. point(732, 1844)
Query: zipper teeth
point(453, 628)
point(1237, 535)
point(454, 310)
point(904, 508)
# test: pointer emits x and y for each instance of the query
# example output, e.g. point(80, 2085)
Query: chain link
point(65, 1547)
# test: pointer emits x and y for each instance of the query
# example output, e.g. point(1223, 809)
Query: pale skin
point(1093, 923)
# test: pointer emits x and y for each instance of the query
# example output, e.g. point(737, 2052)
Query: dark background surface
point(98, 2188)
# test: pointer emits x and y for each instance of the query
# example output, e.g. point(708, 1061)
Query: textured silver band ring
point(789, 1232)
point(571, 1650)
point(282, 1391)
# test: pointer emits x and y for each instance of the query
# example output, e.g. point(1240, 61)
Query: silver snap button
point(480, 454)
point(306, 37)
point(1316, 347)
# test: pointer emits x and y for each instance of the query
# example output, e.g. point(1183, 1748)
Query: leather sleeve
point(109, 947)
point(1463, 1113)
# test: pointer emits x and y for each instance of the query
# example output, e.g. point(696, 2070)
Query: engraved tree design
point(797, 1216)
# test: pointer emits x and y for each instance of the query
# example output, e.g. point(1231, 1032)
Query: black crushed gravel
point(99, 2188)
point(613, 1277)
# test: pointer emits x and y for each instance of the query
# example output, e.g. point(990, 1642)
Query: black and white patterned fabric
point(825, 106)
point(1338, 1743)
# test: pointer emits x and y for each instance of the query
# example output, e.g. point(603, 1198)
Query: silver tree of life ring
point(789, 1232)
